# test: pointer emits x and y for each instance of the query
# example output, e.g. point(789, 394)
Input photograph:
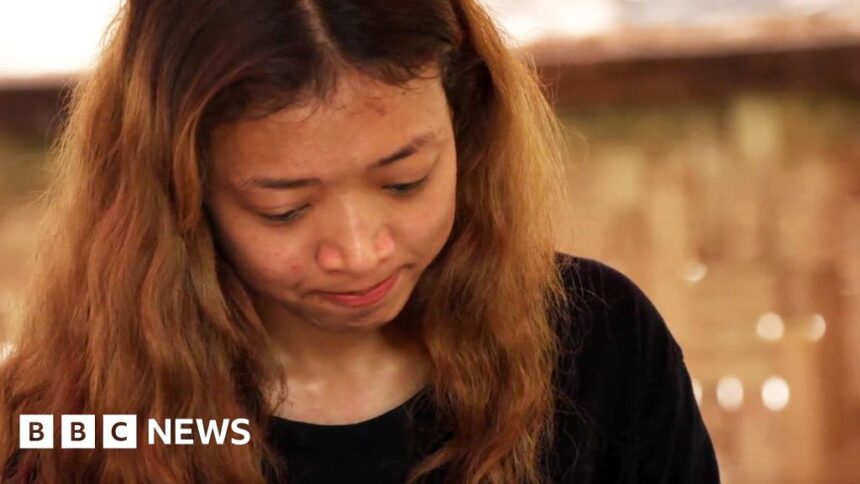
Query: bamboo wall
point(741, 220)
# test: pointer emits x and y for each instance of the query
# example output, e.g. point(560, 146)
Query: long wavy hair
point(133, 310)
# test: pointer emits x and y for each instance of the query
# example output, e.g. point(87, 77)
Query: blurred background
point(715, 160)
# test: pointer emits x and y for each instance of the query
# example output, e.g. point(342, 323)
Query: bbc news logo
point(120, 431)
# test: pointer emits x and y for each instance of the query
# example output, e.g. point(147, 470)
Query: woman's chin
point(348, 320)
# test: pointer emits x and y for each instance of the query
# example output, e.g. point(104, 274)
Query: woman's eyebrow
point(407, 150)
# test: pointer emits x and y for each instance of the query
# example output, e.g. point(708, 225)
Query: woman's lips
point(366, 298)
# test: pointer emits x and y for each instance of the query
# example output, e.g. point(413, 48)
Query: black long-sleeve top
point(625, 412)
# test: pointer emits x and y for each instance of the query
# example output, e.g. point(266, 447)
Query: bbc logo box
point(77, 432)
point(120, 431)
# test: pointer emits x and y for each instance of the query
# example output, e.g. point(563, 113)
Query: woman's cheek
point(273, 264)
point(431, 222)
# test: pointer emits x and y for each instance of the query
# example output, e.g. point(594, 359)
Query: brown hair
point(133, 309)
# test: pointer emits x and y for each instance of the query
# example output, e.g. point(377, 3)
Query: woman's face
point(330, 212)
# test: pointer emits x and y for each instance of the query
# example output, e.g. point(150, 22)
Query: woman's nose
point(356, 239)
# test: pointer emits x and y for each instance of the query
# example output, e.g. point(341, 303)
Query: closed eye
point(405, 188)
point(287, 216)
point(398, 189)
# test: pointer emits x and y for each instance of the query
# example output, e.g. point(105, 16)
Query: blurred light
point(817, 327)
point(770, 327)
point(730, 393)
point(5, 350)
point(695, 272)
point(775, 393)
point(521, 29)
point(530, 21)
point(697, 390)
point(39, 37)
point(584, 17)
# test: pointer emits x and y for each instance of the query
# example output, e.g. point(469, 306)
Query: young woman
point(334, 219)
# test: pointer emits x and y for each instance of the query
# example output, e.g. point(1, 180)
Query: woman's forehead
point(364, 120)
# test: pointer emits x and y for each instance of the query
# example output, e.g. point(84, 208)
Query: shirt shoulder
point(606, 329)
point(606, 309)
point(627, 411)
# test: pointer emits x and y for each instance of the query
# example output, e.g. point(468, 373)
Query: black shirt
point(627, 413)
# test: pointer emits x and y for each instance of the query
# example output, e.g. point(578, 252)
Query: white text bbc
point(120, 431)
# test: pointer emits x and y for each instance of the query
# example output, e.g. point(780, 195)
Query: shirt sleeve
point(672, 444)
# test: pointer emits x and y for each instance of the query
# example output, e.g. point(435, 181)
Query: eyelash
point(287, 216)
point(400, 189)
point(406, 188)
